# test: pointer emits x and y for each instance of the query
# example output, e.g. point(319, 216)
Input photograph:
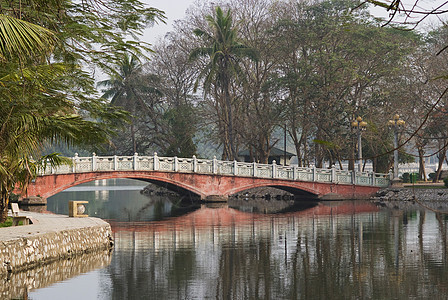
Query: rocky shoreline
point(435, 199)
point(410, 194)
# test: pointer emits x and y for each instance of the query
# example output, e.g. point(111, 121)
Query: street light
point(360, 126)
point(396, 123)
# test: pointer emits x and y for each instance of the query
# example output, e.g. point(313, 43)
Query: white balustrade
point(214, 166)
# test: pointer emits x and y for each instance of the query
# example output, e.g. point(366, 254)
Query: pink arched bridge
point(209, 179)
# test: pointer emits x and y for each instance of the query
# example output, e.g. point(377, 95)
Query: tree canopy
point(47, 95)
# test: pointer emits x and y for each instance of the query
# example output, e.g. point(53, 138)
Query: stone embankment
point(50, 238)
point(18, 285)
point(408, 197)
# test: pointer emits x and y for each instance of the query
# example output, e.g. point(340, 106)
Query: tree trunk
point(228, 103)
point(3, 210)
point(319, 157)
point(441, 156)
point(421, 164)
point(134, 144)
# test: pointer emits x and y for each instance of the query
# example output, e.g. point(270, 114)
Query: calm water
point(166, 249)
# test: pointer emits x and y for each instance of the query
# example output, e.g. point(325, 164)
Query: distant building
point(276, 154)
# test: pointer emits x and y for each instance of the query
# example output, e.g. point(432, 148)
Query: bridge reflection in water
point(214, 225)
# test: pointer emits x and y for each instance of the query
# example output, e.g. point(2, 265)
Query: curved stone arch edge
point(281, 186)
point(149, 179)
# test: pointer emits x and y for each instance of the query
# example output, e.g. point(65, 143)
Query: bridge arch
point(290, 188)
point(47, 186)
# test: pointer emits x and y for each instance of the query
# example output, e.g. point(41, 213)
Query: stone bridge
point(209, 179)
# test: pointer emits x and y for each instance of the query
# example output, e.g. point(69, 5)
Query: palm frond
point(22, 39)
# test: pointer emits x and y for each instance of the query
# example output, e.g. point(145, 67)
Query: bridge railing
point(214, 166)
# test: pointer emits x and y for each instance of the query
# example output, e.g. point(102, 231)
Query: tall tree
point(224, 52)
point(333, 65)
point(170, 63)
point(128, 87)
point(33, 111)
point(45, 96)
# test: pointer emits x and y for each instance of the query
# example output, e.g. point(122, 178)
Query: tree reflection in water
point(348, 250)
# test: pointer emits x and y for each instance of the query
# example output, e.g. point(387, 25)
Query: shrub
point(445, 182)
point(7, 223)
point(405, 177)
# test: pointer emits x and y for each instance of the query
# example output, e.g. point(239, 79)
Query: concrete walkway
point(47, 223)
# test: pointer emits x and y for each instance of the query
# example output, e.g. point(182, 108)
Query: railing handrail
point(214, 166)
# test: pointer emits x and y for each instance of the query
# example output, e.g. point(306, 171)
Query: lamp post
point(284, 147)
point(359, 125)
point(396, 123)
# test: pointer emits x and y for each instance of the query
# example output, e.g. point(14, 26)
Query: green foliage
point(181, 131)
point(406, 177)
point(45, 95)
point(445, 182)
point(6, 223)
point(137, 93)
point(21, 39)
point(405, 158)
point(331, 63)
point(223, 52)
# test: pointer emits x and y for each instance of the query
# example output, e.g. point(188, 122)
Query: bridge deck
point(209, 179)
point(218, 167)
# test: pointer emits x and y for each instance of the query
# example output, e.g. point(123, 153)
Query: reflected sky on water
point(171, 249)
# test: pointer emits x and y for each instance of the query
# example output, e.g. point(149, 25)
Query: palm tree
point(224, 52)
point(125, 88)
point(34, 109)
point(19, 40)
point(39, 101)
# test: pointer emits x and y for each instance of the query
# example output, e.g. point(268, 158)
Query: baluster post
point(75, 160)
point(314, 173)
point(333, 174)
point(214, 165)
point(156, 162)
point(373, 178)
point(52, 170)
point(235, 168)
point(274, 169)
point(115, 163)
point(254, 165)
point(195, 164)
point(135, 161)
point(93, 162)
point(176, 164)
point(353, 177)
point(294, 173)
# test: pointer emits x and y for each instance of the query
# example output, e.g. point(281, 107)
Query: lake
point(167, 247)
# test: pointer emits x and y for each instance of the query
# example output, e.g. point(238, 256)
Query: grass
point(7, 223)
point(425, 185)
point(428, 187)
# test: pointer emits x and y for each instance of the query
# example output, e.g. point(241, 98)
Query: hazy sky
point(174, 10)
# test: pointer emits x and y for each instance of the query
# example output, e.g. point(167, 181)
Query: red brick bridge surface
point(206, 186)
